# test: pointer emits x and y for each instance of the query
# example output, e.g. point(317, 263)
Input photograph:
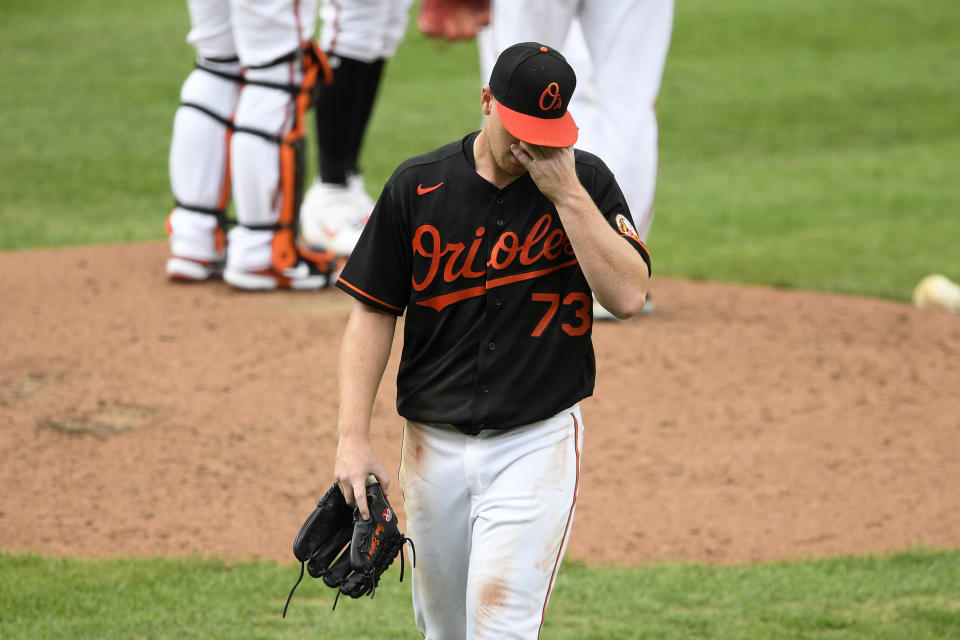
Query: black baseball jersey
point(498, 312)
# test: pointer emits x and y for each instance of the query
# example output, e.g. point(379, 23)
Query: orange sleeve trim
point(366, 295)
point(640, 242)
point(644, 253)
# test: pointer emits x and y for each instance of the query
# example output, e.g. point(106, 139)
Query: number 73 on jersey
point(580, 303)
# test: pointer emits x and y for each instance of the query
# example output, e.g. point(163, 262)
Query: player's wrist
point(572, 197)
point(353, 437)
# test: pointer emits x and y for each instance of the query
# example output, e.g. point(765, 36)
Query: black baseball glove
point(349, 553)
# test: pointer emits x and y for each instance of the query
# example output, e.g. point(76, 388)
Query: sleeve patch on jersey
point(627, 230)
point(626, 227)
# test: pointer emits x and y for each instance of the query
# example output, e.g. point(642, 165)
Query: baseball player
point(492, 246)
point(358, 36)
point(239, 132)
point(620, 48)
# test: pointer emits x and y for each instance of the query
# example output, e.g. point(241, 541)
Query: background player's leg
point(199, 176)
point(522, 519)
point(333, 213)
point(628, 42)
point(437, 508)
point(368, 90)
point(358, 37)
point(342, 111)
point(255, 164)
point(585, 104)
point(393, 28)
point(265, 156)
point(512, 21)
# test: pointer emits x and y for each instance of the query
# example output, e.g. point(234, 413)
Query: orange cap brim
point(545, 132)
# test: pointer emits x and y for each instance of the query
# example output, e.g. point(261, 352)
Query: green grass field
point(910, 596)
point(805, 144)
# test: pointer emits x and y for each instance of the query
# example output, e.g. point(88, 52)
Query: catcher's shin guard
point(199, 164)
point(268, 160)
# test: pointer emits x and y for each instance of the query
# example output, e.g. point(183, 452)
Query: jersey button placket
point(497, 301)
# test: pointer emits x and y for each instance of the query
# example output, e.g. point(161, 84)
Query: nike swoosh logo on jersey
point(422, 190)
point(438, 303)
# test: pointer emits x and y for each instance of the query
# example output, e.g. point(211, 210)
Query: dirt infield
point(735, 424)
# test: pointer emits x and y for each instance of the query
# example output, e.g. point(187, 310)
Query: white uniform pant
point(490, 516)
point(364, 30)
point(257, 32)
point(617, 49)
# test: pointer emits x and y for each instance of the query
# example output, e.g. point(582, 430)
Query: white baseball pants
point(490, 516)
point(618, 49)
point(365, 30)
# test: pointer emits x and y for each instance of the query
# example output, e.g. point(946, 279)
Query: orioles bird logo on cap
point(553, 92)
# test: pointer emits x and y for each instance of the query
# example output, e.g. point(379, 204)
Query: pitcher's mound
point(140, 417)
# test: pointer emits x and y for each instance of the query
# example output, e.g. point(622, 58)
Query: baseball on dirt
point(937, 291)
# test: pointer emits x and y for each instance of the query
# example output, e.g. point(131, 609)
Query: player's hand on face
point(356, 459)
point(551, 168)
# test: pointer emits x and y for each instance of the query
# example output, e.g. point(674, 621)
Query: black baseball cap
point(533, 84)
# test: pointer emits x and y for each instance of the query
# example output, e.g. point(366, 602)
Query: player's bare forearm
point(617, 274)
point(364, 352)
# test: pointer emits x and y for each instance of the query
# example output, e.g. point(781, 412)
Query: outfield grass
point(911, 596)
point(807, 144)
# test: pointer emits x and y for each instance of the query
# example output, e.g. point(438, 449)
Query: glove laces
point(371, 577)
point(302, 564)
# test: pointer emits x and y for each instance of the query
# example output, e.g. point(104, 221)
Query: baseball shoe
point(649, 306)
point(332, 216)
point(312, 271)
point(599, 313)
point(189, 270)
point(358, 191)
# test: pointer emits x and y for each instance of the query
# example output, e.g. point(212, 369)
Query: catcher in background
point(492, 246)
point(239, 134)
